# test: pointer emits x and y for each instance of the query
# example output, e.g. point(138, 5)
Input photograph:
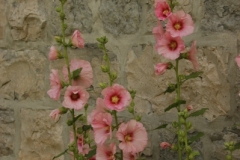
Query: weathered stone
point(22, 74)
point(3, 18)
point(120, 16)
point(78, 16)
point(221, 15)
point(27, 19)
point(40, 136)
point(7, 131)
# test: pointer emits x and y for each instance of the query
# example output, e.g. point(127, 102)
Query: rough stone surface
point(3, 18)
point(23, 74)
point(221, 15)
point(7, 131)
point(120, 16)
point(40, 136)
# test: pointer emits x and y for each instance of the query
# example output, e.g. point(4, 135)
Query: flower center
point(115, 99)
point(165, 12)
point(75, 96)
point(110, 155)
point(107, 129)
point(128, 138)
point(173, 45)
point(177, 26)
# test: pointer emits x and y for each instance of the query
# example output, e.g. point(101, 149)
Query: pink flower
point(192, 55)
point(106, 152)
point(93, 158)
point(75, 97)
point(55, 114)
point(129, 156)
point(53, 54)
point(77, 39)
point(180, 24)
point(158, 31)
point(165, 145)
point(237, 59)
point(170, 47)
point(102, 127)
point(86, 75)
point(55, 84)
point(100, 107)
point(116, 97)
point(160, 68)
point(133, 137)
point(82, 148)
point(162, 10)
point(189, 108)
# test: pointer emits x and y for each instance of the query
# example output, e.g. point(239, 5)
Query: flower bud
point(104, 68)
point(228, 157)
point(105, 57)
point(188, 149)
point(113, 76)
point(79, 130)
point(77, 39)
point(58, 39)
point(174, 147)
point(188, 125)
point(131, 110)
point(182, 120)
point(58, 9)
point(175, 124)
point(132, 104)
point(138, 118)
point(63, 110)
point(102, 85)
point(62, 15)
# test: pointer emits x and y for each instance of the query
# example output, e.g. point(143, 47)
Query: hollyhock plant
point(160, 68)
point(237, 59)
point(133, 136)
point(85, 78)
point(106, 152)
point(55, 84)
point(53, 54)
point(75, 97)
point(102, 127)
point(55, 114)
point(116, 97)
point(192, 55)
point(180, 24)
point(77, 39)
point(165, 145)
point(170, 47)
point(162, 10)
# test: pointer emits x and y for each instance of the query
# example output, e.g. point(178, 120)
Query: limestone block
point(78, 16)
point(206, 92)
point(221, 15)
point(2, 18)
point(7, 131)
point(120, 16)
point(40, 136)
point(27, 20)
point(22, 74)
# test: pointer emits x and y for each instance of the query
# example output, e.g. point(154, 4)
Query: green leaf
point(70, 122)
point(170, 89)
point(160, 127)
point(91, 153)
point(75, 73)
point(60, 154)
point(178, 103)
point(198, 113)
point(237, 146)
point(196, 137)
point(193, 75)
point(86, 127)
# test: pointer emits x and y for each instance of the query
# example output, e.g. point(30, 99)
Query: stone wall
point(26, 33)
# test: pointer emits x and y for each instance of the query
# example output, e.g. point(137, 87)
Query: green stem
point(116, 121)
point(108, 65)
point(178, 108)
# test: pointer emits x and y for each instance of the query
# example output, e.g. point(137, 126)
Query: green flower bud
point(58, 9)
point(65, 26)
point(175, 124)
point(102, 85)
point(182, 120)
point(138, 118)
point(182, 77)
point(131, 110)
point(58, 39)
point(105, 57)
point(69, 122)
point(62, 15)
point(132, 104)
point(114, 76)
point(132, 93)
point(79, 130)
point(63, 110)
point(188, 149)
point(228, 157)
point(101, 46)
point(170, 65)
point(104, 68)
point(188, 125)
point(174, 147)
point(181, 133)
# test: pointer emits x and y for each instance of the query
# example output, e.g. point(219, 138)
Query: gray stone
point(120, 16)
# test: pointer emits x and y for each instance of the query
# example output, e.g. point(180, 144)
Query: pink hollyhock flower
point(158, 31)
point(170, 47)
point(180, 24)
point(162, 10)
point(93, 158)
point(75, 97)
point(53, 54)
point(192, 55)
point(82, 148)
point(129, 156)
point(77, 39)
point(106, 152)
point(102, 127)
point(189, 108)
point(133, 137)
point(165, 145)
point(86, 75)
point(160, 68)
point(100, 107)
point(237, 59)
point(55, 84)
point(55, 114)
point(116, 97)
